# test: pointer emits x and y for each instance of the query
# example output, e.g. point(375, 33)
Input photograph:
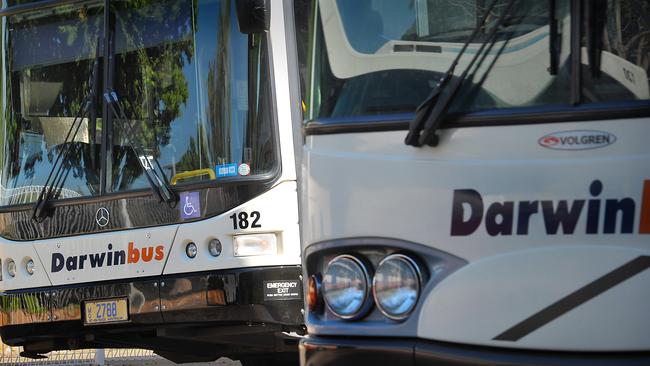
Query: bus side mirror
point(253, 16)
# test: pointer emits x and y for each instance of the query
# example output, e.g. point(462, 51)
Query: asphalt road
point(159, 361)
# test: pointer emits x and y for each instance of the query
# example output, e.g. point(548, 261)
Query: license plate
point(106, 311)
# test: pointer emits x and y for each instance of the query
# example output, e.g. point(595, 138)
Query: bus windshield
point(378, 57)
point(193, 86)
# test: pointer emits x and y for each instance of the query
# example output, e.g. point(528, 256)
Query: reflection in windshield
point(153, 77)
point(186, 87)
point(182, 70)
point(50, 60)
point(377, 57)
point(370, 24)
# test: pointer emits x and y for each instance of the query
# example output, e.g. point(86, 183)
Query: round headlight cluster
point(346, 286)
point(395, 286)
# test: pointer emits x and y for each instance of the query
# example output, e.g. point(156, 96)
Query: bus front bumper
point(234, 307)
point(324, 351)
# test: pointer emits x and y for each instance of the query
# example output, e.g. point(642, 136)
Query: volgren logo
point(607, 215)
point(577, 140)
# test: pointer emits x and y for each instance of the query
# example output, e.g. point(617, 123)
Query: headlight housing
point(346, 287)
point(396, 286)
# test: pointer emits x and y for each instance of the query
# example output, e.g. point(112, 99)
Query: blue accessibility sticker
point(227, 170)
point(190, 205)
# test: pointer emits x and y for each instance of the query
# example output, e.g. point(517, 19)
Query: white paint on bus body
point(372, 185)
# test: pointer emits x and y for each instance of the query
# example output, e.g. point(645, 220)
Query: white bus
point(148, 185)
point(476, 185)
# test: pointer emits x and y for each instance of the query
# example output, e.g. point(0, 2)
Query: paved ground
point(112, 357)
point(162, 362)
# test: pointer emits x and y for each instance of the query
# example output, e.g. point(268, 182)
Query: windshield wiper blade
point(55, 180)
point(429, 115)
point(596, 17)
point(424, 110)
point(554, 46)
point(59, 173)
point(92, 122)
point(150, 166)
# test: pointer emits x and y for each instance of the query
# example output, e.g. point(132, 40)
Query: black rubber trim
point(575, 299)
point(324, 351)
point(515, 116)
point(185, 294)
point(576, 54)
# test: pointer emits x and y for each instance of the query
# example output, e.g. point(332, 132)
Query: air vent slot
point(403, 48)
point(427, 48)
point(417, 48)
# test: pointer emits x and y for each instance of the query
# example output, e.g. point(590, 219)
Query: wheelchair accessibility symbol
point(188, 208)
point(190, 205)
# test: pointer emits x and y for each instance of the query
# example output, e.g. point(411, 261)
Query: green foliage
point(156, 86)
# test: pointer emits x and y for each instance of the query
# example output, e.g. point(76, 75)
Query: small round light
point(11, 267)
point(314, 299)
point(191, 250)
point(346, 287)
point(215, 247)
point(29, 266)
point(396, 286)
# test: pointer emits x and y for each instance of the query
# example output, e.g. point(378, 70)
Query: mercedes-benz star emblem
point(102, 217)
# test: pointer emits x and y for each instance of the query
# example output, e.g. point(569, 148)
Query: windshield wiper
point(554, 45)
point(429, 115)
point(55, 180)
point(150, 166)
point(596, 18)
point(59, 173)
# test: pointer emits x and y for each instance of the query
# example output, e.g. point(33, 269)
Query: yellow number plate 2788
point(106, 311)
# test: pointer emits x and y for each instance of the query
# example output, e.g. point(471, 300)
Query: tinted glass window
point(625, 60)
point(49, 62)
point(182, 72)
point(194, 90)
point(374, 57)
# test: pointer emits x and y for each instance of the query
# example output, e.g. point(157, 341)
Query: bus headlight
point(29, 266)
point(396, 286)
point(214, 246)
point(191, 250)
point(346, 286)
point(11, 267)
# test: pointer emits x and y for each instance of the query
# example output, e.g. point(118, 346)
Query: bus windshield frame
point(197, 90)
point(384, 72)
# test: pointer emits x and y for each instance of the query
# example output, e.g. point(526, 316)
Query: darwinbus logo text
point(108, 258)
point(500, 219)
